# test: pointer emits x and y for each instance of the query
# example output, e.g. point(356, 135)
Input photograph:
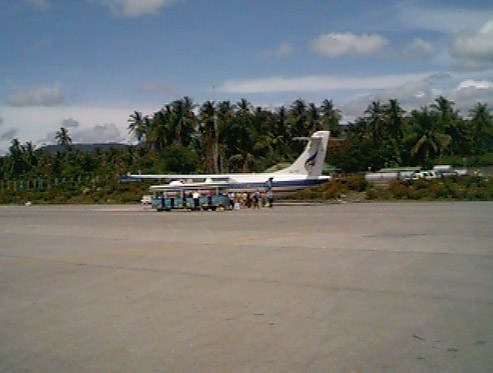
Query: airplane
point(304, 172)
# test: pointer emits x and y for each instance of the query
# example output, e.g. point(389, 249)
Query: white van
point(445, 170)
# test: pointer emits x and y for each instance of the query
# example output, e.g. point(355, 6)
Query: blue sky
point(87, 64)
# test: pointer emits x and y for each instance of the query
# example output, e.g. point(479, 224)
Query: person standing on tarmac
point(270, 197)
point(256, 197)
point(196, 199)
point(270, 194)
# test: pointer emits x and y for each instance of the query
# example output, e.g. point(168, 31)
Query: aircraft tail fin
point(311, 161)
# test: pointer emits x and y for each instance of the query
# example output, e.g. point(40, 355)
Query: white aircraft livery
point(304, 172)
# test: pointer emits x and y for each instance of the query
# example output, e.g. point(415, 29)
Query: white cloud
point(413, 95)
point(34, 123)
point(478, 84)
point(469, 65)
point(475, 50)
point(136, 8)
point(317, 83)
point(158, 88)
point(1, 120)
point(443, 19)
point(69, 123)
point(9, 134)
point(100, 133)
point(419, 49)
point(37, 96)
point(347, 44)
point(285, 49)
point(469, 92)
point(49, 139)
point(38, 3)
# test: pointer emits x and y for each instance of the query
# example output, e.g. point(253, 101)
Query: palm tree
point(17, 165)
point(297, 119)
point(189, 121)
point(244, 106)
point(330, 118)
point(297, 123)
point(447, 119)
point(242, 128)
point(28, 150)
point(312, 118)
point(376, 123)
point(443, 106)
point(464, 144)
point(426, 141)
point(393, 113)
point(15, 147)
point(160, 134)
point(283, 137)
point(136, 126)
point(281, 122)
point(262, 136)
point(482, 128)
point(182, 121)
point(225, 117)
point(63, 138)
point(225, 134)
point(208, 130)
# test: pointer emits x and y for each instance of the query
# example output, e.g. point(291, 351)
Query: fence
point(41, 184)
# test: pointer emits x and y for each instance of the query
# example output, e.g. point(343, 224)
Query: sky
point(88, 64)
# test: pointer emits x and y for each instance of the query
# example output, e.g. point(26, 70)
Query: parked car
point(427, 175)
point(146, 200)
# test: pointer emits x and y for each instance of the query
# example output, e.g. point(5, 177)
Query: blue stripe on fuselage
point(278, 184)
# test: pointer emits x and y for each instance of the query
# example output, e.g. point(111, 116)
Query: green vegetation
point(354, 188)
point(183, 137)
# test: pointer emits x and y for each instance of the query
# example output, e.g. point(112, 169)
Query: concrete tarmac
point(401, 287)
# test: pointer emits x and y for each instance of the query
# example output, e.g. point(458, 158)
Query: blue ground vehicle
point(161, 203)
point(210, 202)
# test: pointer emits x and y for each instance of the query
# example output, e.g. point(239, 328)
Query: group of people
point(253, 200)
point(234, 201)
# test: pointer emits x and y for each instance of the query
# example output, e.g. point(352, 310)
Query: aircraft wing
point(189, 186)
point(178, 176)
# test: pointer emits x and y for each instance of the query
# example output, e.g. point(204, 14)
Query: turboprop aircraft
point(304, 172)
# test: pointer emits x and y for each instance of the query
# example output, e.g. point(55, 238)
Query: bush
point(399, 190)
point(357, 183)
point(333, 190)
point(476, 194)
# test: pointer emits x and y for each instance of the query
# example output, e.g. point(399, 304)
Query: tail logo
point(311, 161)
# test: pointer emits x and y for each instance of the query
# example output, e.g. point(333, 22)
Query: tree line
point(238, 137)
